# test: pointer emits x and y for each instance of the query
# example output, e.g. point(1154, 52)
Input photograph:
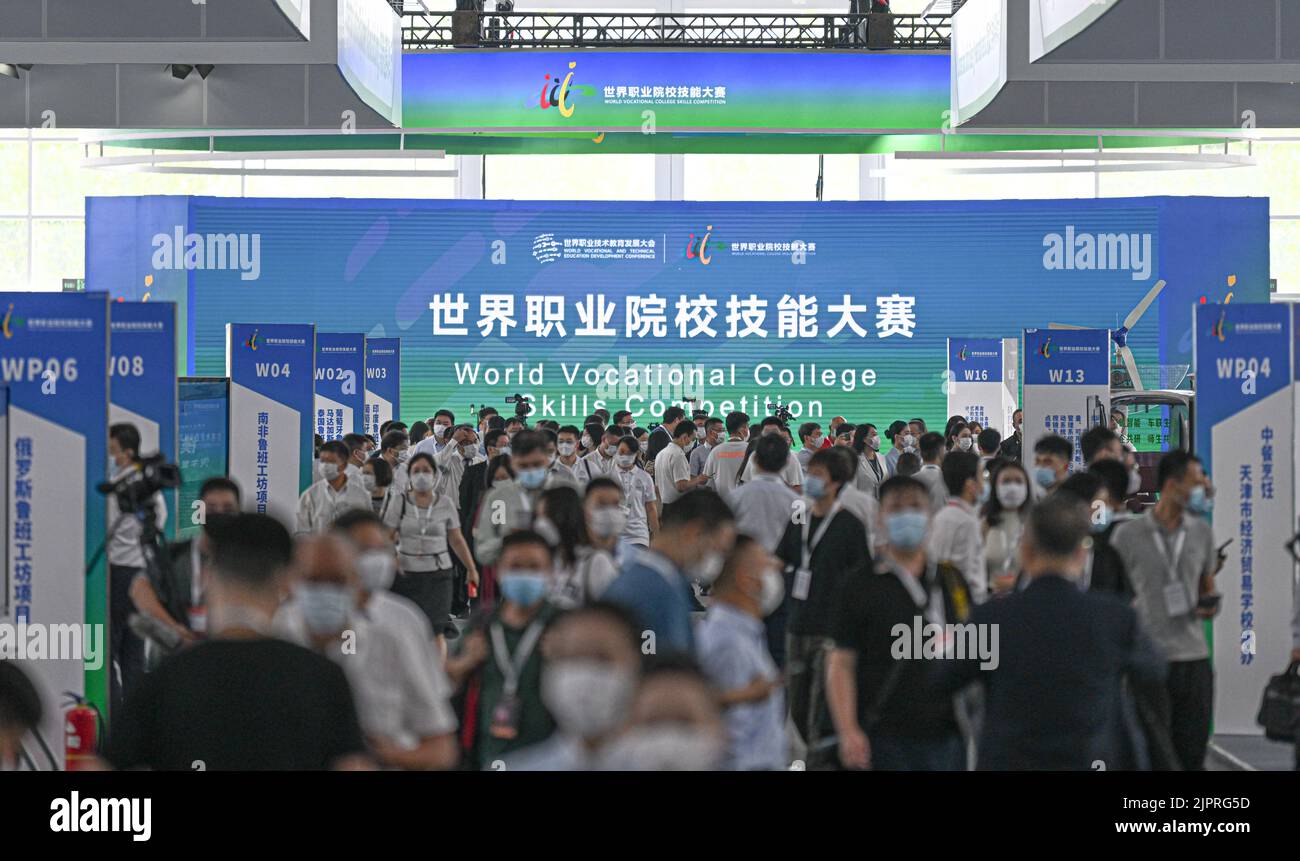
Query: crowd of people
point(712, 592)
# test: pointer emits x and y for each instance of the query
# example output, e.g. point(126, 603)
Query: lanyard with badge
point(803, 577)
point(197, 612)
point(505, 714)
point(1178, 602)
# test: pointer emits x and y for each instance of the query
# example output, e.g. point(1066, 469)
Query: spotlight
point(204, 69)
point(180, 70)
point(10, 70)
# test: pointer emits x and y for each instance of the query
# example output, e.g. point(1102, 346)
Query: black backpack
point(1279, 711)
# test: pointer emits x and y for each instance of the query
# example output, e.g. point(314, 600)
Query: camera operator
point(126, 561)
point(173, 594)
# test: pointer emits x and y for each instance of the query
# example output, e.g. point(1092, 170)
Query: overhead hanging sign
point(383, 383)
point(54, 361)
point(979, 57)
point(976, 380)
point(1245, 420)
point(204, 425)
point(1010, 384)
point(340, 384)
point(1052, 23)
point(271, 403)
point(142, 376)
point(1066, 385)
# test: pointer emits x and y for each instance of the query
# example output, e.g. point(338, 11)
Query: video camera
point(781, 411)
point(523, 406)
point(134, 490)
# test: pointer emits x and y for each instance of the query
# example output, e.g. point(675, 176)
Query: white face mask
point(664, 747)
point(329, 471)
point(505, 449)
point(625, 461)
point(377, 569)
point(814, 442)
point(546, 528)
point(422, 481)
point(873, 443)
point(1134, 482)
point(964, 442)
point(439, 431)
point(588, 698)
point(699, 433)
point(608, 522)
point(908, 441)
point(709, 567)
point(586, 441)
point(565, 448)
point(1012, 494)
point(403, 455)
point(773, 592)
point(368, 482)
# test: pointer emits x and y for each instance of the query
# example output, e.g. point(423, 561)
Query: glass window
point(13, 169)
point(58, 252)
point(616, 176)
point(1285, 253)
point(13, 253)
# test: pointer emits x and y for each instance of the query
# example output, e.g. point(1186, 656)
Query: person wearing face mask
point(559, 518)
point(377, 479)
point(732, 648)
point(500, 666)
point(960, 438)
point(713, 433)
point(897, 434)
point(792, 472)
point(126, 563)
point(1171, 561)
point(474, 482)
point(333, 494)
point(508, 505)
point(440, 426)
point(395, 450)
point(425, 526)
point(1052, 457)
point(230, 701)
point(886, 716)
point(173, 594)
point(1104, 570)
point(567, 462)
point(674, 724)
point(955, 534)
point(1002, 522)
point(459, 450)
point(873, 469)
point(358, 451)
point(655, 583)
point(1013, 446)
point(639, 502)
point(591, 667)
point(810, 439)
point(672, 470)
point(820, 549)
point(600, 461)
point(406, 717)
point(606, 512)
point(764, 504)
point(931, 473)
point(723, 463)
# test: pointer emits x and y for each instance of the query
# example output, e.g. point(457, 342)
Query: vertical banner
point(54, 360)
point(340, 384)
point(1245, 419)
point(271, 369)
point(204, 428)
point(975, 380)
point(1010, 384)
point(383, 383)
point(1067, 385)
point(142, 377)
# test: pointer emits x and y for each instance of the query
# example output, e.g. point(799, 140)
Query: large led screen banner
point(831, 308)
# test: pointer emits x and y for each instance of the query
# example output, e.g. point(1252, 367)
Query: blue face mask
point(532, 479)
point(906, 529)
point(524, 588)
point(1100, 519)
point(814, 486)
point(1199, 502)
point(324, 608)
point(1045, 476)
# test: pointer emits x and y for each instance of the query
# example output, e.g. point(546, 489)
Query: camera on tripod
point(781, 411)
point(523, 406)
point(134, 491)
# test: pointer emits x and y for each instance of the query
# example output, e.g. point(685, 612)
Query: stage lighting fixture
point(10, 70)
point(204, 69)
point(180, 70)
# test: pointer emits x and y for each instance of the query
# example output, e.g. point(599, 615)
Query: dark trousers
point(1186, 708)
point(126, 650)
point(899, 753)
point(806, 666)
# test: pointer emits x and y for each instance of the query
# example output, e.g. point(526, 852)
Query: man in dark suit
point(1053, 695)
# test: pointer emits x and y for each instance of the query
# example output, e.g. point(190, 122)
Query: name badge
point(802, 584)
point(198, 619)
point(505, 718)
point(1177, 601)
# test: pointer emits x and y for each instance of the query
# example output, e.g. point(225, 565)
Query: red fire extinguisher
point(81, 725)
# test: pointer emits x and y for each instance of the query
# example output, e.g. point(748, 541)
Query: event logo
point(10, 321)
point(1117, 252)
point(251, 343)
point(545, 248)
point(1221, 327)
point(698, 247)
point(555, 92)
point(962, 354)
point(1046, 350)
point(241, 252)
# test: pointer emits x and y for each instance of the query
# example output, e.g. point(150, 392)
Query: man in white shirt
point(810, 440)
point(395, 450)
point(335, 493)
point(955, 531)
point(764, 505)
point(857, 502)
point(601, 461)
point(672, 472)
point(566, 456)
point(931, 475)
point(439, 427)
point(358, 451)
point(723, 463)
point(458, 452)
point(792, 472)
point(402, 696)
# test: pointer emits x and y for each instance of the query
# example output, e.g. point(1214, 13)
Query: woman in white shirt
point(425, 525)
point(581, 572)
point(1002, 522)
point(638, 494)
